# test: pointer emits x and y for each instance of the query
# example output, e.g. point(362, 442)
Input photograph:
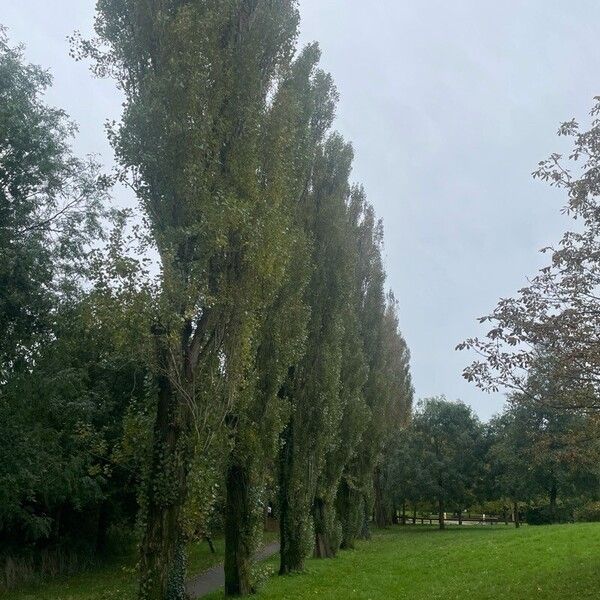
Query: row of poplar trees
point(271, 309)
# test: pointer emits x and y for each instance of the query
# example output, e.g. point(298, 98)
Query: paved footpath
point(214, 579)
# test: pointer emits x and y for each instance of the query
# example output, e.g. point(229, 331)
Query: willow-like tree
point(50, 204)
point(196, 78)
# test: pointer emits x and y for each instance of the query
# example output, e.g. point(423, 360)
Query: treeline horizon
point(530, 463)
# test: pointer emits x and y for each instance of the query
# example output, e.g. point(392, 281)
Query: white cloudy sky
point(450, 105)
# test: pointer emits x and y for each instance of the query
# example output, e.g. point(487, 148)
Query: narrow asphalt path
point(214, 579)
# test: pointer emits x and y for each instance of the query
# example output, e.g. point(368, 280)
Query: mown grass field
point(559, 562)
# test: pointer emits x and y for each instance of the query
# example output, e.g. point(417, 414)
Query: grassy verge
point(475, 563)
point(116, 579)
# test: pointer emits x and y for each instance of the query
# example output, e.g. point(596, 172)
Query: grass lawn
point(559, 562)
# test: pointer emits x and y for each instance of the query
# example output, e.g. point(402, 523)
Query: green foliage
point(538, 450)
point(68, 376)
point(546, 515)
point(446, 438)
point(50, 203)
point(588, 513)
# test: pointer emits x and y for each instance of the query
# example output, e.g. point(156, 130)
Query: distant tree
point(387, 390)
point(404, 479)
point(510, 473)
point(447, 437)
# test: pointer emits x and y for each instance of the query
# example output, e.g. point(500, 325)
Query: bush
point(588, 513)
point(542, 515)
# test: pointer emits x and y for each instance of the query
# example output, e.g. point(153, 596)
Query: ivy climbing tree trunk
point(324, 521)
point(162, 557)
point(293, 526)
point(238, 541)
point(365, 529)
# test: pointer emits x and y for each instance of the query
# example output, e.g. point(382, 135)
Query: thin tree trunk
point(404, 512)
point(365, 529)
point(460, 517)
point(382, 518)
point(102, 527)
point(414, 518)
point(516, 514)
point(238, 517)
point(210, 544)
point(553, 495)
point(441, 513)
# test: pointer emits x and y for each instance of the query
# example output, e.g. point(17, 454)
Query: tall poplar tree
point(395, 406)
point(293, 129)
point(314, 386)
point(355, 495)
point(196, 78)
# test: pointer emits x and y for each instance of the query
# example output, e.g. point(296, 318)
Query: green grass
point(114, 580)
point(559, 562)
point(413, 563)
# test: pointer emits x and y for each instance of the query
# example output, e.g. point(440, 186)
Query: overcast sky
point(449, 105)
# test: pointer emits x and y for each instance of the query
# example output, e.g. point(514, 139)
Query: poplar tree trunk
point(349, 510)
point(365, 530)
point(238, 517)
point(162, 556)
point(441, 513)
point(323, 543)
point(382, 517)
point(292, 509)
